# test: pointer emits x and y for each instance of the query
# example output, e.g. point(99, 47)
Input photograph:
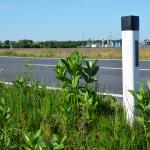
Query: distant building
point(97, 45)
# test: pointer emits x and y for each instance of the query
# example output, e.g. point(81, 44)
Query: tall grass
point(98, 53)
point(33, 108)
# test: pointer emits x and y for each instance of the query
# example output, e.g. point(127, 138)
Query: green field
point(98, 53)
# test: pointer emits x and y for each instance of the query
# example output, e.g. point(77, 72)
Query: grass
point(74, 118)
point(98, 53)
point(101, 53)
point(33, 108)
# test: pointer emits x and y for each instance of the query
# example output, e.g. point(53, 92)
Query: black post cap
point(130, 23)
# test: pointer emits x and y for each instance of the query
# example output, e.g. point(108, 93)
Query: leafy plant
point(56, 143)
point(69, 71)
point(142, 97)
point(142, 105)
point(34, 141)
point(76, 73)
point(5, 118)
point(88, 107)
point(21, 84)
point(89, 72)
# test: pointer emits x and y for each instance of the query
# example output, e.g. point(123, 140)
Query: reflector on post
point(130, 61)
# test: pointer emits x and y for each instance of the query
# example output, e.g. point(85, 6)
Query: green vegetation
point(75, 118)
point(63, 52)
point(48, 44)
point(98, 53)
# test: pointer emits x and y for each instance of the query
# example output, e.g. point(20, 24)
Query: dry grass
point(145, 53)
point(101, 53)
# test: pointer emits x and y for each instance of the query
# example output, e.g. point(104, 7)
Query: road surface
point(43, 70)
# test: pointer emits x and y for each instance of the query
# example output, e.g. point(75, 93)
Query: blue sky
point(68, 19)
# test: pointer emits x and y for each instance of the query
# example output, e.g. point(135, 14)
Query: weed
point(142, 118)
point(34, 141)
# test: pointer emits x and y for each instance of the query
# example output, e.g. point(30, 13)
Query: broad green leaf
point(75, 81)
point(96, 69)
point(66, 64)
point(3, 101)
point(141, 90)
point(37, 134)
point(148, 85)
point(27, 148)
point(147, 110)
point(59, 147)
point(1, 108)
point(90, 64)
point(140, 120)
point(26, 138)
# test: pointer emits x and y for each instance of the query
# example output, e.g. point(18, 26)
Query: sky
point(42, 20)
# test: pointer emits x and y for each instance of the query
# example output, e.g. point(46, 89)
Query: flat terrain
point(43, 70)
point(98, 53)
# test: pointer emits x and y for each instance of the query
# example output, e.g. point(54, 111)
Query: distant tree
point(53, 44)
point(98, 41)
point(1, 44)
point(13, 44)
point(6, 44)
point(105, 42)
point(42, 44)
point(49, 44)
point(36, 45)
point(25, 44)
point(116, 41)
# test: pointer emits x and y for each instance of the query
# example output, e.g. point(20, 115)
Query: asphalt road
point(43, 70)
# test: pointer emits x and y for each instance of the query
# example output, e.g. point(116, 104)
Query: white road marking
point(114, 95)
point(107, 68)
point(41, 65)
point(56, 88)
point(7, 83)
point(55, 58)
point(45, 65)
point(145, 69)
point(64, 58)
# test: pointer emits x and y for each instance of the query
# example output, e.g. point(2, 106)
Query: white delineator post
point(130, 62)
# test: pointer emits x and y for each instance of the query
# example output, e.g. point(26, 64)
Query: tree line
point(47, 44)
